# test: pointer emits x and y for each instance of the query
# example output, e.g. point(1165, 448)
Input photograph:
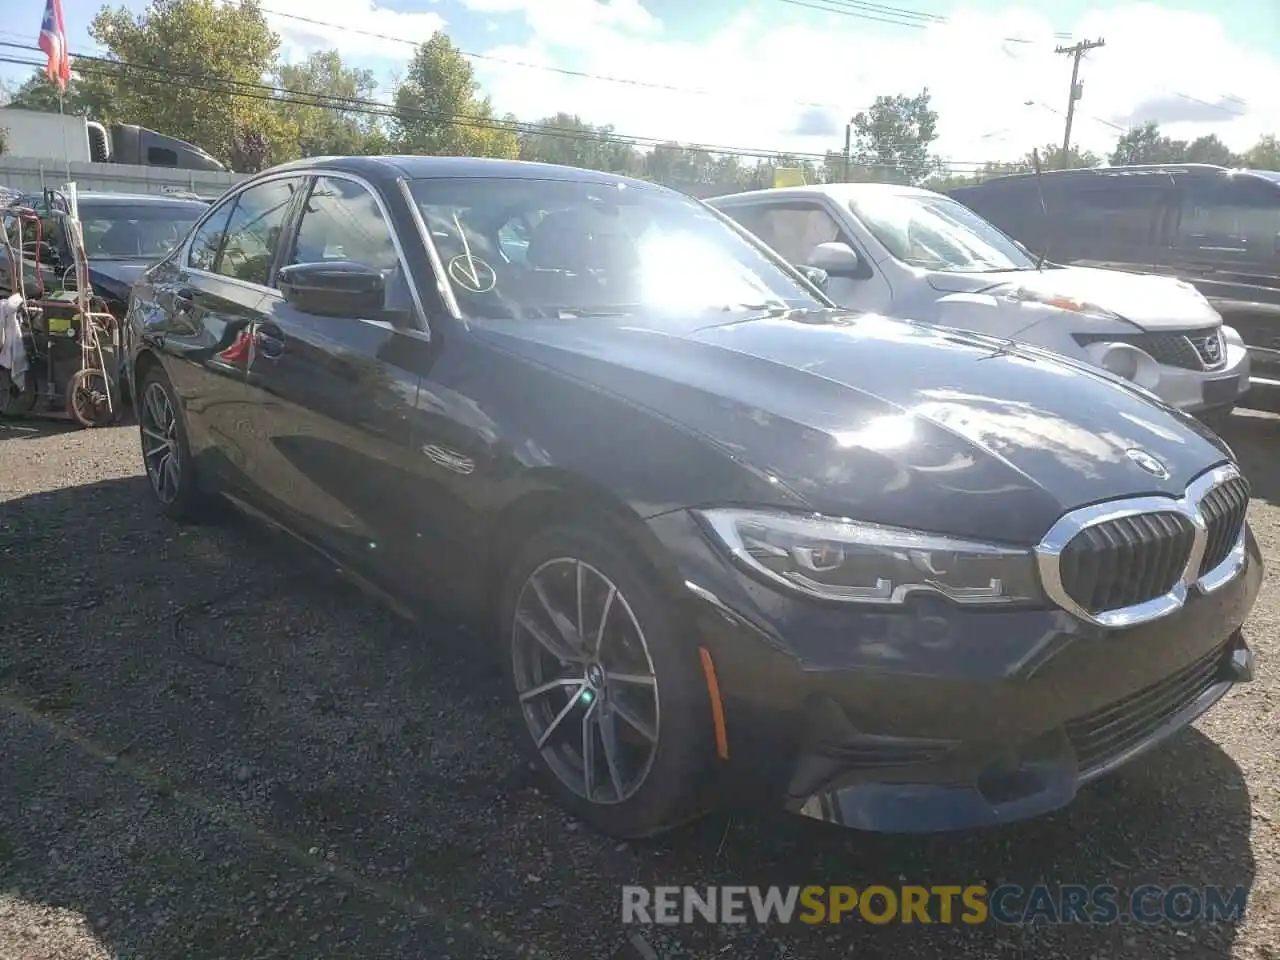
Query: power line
point(524, 64)
point(894, 16)
point(526, 127)
point(392, 111)
point(269, 93)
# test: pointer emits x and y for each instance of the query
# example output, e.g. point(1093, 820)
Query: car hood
point(886, 420)
point(116, 278)
point(1150, 302)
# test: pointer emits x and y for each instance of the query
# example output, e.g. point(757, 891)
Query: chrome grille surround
point(1049, 551)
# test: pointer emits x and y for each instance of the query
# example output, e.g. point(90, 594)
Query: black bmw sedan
point(728, 539)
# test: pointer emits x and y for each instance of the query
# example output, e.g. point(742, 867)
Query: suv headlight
point(1020, 294)
point(866, 563)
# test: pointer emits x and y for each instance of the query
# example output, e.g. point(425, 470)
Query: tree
point(1263, 155)
point(892, 139)
point(438, 112)
point(324, 131)
point(570, 140)
point(1051, 158)
point(1209, 149)
point(250, 151)
point(1145, 144)
point(37, 93)
point(181, 67)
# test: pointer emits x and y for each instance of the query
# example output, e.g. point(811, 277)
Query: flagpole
point(66, 147)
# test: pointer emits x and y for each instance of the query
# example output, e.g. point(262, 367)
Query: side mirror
point(337, 288)
point(836, 260)
point(815, 275)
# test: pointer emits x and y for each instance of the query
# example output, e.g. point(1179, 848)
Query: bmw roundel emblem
point(1148, 463)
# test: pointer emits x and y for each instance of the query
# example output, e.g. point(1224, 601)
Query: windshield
point(938, 233)
point(552, 248)
point(135, 231)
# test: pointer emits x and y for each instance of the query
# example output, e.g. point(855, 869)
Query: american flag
point(53, 41)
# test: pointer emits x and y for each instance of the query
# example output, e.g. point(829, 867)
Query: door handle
point(269, 340)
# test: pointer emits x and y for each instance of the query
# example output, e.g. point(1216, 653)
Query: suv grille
point(1124, 562)
point(1188, 349)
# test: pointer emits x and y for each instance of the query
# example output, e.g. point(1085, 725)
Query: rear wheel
point(606, 689)
point(165, 452)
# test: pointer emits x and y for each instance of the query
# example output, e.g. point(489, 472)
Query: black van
point(1216, 228)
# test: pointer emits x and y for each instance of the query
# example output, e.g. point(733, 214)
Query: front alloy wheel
point(585, 680)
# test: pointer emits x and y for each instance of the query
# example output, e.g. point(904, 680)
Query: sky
point(787, 75)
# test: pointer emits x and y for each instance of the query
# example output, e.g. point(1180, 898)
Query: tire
point(179, 494)
point(650, 787)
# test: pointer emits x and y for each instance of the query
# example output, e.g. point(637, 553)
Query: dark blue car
point(724, 537)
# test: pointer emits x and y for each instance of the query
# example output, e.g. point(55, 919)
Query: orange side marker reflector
point(717, 706)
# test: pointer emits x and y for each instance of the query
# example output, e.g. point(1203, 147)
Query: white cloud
point(351, 26)
point(573, 23)
point(996, 98)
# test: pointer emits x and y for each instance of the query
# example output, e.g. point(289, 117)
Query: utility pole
point(1075, 51)
point(848, 148)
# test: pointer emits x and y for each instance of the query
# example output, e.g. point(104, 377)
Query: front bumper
point(1199, 391)
point(941, 718)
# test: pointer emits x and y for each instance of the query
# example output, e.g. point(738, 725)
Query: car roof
point(1085, 173)
point(136, 198)
point(839, 192)
point(386, 169)
point(129, 199)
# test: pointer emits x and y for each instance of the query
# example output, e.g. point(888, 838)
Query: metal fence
point(29, 174)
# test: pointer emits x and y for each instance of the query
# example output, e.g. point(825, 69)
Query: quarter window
point(253, 232)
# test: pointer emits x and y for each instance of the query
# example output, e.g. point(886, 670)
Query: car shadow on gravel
point(215, 747)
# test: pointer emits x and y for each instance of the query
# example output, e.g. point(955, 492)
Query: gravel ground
point(291, 771)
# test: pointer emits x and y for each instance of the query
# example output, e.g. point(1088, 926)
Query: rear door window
point(1232, 215)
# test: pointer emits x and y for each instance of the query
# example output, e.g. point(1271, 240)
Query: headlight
point(1060, 302)
point(867, 563)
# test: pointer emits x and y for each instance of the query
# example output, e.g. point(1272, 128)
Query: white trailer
point(50, 136)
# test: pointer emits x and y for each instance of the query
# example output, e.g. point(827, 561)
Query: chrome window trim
point(1049, 551)
point(442, 281)
point(424, 326)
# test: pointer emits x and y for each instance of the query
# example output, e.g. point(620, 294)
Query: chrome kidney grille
point(1224, 508)
point(1130, 561)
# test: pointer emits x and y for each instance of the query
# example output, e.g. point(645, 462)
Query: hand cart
point(71, 342)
